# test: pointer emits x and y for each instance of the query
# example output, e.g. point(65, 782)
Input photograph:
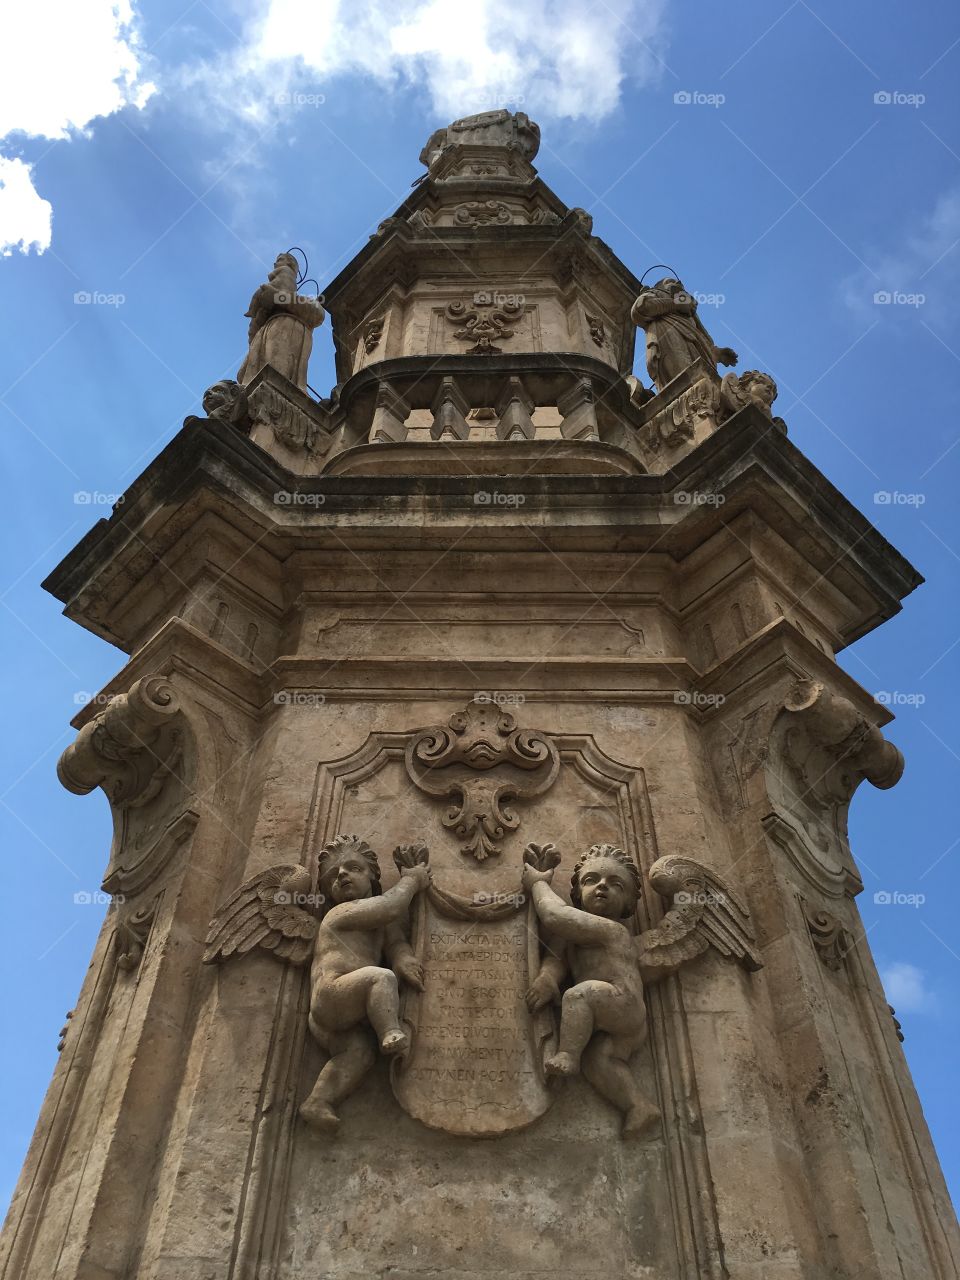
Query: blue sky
point(181, 150)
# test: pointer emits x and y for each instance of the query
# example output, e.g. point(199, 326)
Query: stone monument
point(482, 903)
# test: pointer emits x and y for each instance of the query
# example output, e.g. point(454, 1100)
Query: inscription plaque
point(475, 1063)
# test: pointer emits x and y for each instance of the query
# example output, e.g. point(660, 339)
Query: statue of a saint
point(281, 325)
point(675, 334)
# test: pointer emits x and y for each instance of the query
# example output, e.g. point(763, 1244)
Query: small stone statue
point(281, 325)
point(675, 334)
point(226, 400)
point(513, 131)
point(349, 989)
point(751, 387)
point(603, 1015)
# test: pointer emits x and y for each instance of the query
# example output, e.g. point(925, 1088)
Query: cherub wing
point(703, 912)
point(264, 913)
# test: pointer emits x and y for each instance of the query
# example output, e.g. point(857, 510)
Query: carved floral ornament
point(485, 762)
point(486, 321)
point(480, 213)
point(830, 939)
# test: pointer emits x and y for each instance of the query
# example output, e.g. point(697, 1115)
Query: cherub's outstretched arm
point(401, 957)
point(376, 913)
point(567, 922)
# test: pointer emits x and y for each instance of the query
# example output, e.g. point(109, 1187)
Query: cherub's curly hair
point(334, 850)
point(605, 851)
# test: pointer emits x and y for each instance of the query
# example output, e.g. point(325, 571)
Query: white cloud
point(63, 64)
point(24, 216)
point(551, 58)
point(906, 988)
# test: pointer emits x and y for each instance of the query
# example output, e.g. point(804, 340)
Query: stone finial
point(508, 130)
point(281, 325)
point(676, 336)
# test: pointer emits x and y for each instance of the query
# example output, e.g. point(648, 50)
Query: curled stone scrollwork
point(137, 751)
point(484, 323)
point(821, 748)
point(128, 749)
point(133, 930)
point(480, 213)
point(830, 939)
point(482, 759)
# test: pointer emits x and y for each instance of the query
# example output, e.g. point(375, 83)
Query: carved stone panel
point(474, 1069)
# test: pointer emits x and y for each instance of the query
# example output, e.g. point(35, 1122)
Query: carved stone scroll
point(831, 940)
point(474, 1066)
point(484, 323)
point(136, 751)
point(821, 749)
point(485, 762)
point(129, 748)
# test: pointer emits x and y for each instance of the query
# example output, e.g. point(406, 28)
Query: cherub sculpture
point(602, 1014)
point(345, 941)
point(750, 387)
point(675, 333)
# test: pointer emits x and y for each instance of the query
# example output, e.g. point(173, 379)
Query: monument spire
point(481, 893)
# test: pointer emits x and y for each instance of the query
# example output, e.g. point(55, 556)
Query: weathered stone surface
point(471, 604)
